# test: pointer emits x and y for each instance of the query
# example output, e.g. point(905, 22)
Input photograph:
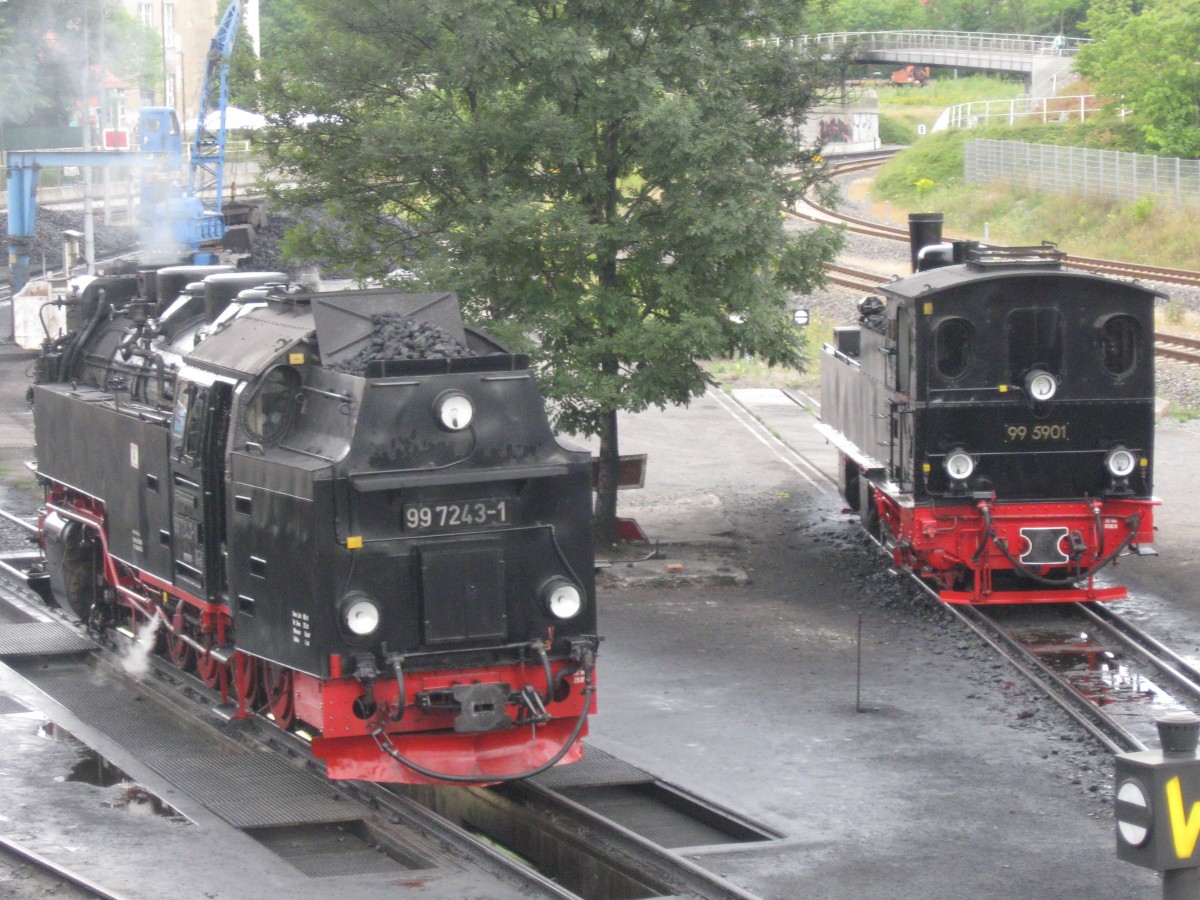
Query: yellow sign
point(1185, 828)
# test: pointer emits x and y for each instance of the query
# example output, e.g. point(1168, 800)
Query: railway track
point(811, 213)
point(1177, 346)
point(27, 874)
point(1108, 675)
point(534, 834)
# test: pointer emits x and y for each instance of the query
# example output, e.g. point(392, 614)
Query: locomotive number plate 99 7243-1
point(1044, 432)
point(456, 514)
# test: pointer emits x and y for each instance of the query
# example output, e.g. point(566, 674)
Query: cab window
point(953, 343)
point(1119, 345)
point(269, 413)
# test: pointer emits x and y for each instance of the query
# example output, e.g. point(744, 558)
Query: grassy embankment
point(928, 177)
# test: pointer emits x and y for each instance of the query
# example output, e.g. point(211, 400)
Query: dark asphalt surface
point(937, 775)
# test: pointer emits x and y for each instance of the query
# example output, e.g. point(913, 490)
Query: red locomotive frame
point(960, 548)
point(391, 744)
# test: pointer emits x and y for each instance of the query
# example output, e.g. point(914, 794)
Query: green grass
point(906, 107)
point(751, 372)
point(928, 177)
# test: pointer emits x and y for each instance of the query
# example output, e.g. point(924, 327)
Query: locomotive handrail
point(838, 354)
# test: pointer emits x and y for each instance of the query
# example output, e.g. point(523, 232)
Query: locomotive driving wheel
point(179, 652)
point(277, 687)
point(247, 687)
point(209, 669)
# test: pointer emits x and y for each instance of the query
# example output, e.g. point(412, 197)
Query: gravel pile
point(397, 337)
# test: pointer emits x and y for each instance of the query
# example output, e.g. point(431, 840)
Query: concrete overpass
point(1043, 61)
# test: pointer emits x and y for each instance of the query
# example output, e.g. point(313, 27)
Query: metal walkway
point(1044, 61)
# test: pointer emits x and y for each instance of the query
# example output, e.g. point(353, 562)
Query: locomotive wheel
point(277, 686)
point(246, 684)
point(853, 490)
point(873, 524)
point(207, 668)
point(179, 652)
point(80, 566)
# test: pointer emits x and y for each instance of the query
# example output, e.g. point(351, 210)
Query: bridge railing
point(1019, 110)
point(959, 41)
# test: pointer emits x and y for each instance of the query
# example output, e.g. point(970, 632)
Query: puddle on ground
point(94, 769)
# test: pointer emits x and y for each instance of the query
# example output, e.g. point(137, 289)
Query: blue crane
point(207, 166)
point(171, 219)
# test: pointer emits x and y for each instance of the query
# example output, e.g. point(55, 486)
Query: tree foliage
point(598, 179)
point(1146, 60)
point(1009, 16)
point(41, 68)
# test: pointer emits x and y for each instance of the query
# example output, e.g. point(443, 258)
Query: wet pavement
point(762, 657)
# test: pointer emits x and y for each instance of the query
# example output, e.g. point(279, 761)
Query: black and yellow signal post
point(1158, 807)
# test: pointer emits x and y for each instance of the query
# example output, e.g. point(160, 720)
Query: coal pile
point(266, 253)
point(396, 337)
point(111, 240)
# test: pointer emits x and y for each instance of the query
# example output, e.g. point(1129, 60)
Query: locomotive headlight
point(1120, 462)
point(562, 598)
point(360, 615)
point(959, 465)
point(1040, 386)
point(454, 411)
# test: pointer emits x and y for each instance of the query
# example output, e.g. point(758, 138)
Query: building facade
point(186, 28)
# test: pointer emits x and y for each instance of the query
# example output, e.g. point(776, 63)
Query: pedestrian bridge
point(1043, 61)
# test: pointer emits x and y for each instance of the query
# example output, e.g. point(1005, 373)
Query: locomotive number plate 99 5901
point(456, 514)
point(1056, 432)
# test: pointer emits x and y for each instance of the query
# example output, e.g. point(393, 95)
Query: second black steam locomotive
point(994, 415)
point(344, 510)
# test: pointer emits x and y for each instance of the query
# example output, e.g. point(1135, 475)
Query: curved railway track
point(1170, 346)
point(810, 213)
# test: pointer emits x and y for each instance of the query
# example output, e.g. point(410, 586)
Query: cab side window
point(953, 346)
point(1119, 338)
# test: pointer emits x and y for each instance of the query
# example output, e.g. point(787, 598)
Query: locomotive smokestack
point(924, 229)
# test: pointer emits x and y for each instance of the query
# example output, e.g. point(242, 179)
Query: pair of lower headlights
point(361, 615)
point(1120, 463)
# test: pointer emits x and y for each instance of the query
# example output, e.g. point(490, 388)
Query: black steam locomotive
point(994, 414)
point(344, 510)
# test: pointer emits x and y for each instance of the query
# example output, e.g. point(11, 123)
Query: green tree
point(41, 68)
point(600, 180)
point(864, 15)
point(1146, 61)
point(243, 64)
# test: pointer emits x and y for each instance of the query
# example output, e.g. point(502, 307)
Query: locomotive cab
point(995, 418)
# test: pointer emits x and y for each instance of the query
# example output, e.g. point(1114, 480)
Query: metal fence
point(1081, 170)
point(1019, 111)
point(967, 41)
